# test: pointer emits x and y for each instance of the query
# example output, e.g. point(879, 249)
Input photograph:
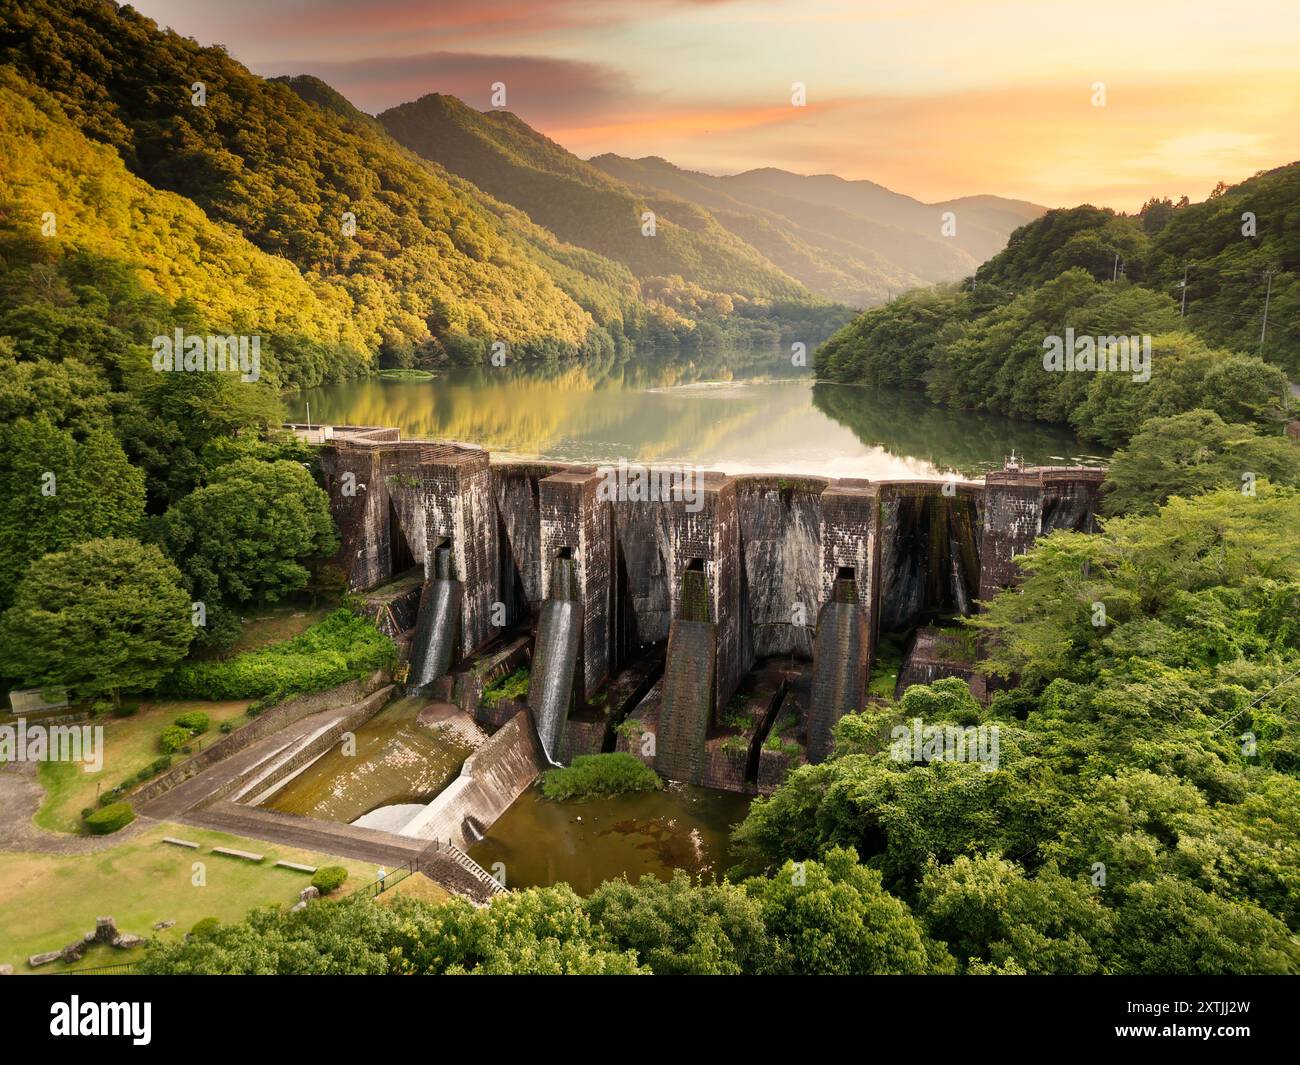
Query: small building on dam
point(715, 626)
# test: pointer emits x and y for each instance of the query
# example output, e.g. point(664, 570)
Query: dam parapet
point(644, 616)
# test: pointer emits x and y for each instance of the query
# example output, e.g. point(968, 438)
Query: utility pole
point(1114, 274)
point(1182, 313)
point(1268, 274)
point(309, 416)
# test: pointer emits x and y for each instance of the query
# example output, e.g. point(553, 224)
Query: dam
point(718, 636)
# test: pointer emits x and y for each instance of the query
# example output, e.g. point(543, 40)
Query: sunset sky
point(934, 98)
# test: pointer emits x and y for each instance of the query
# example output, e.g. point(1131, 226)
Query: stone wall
point(711, 535)
point(849, 540)
point(575, 521)
point(930, 536)
point(515, 487)
point(780, 536)
point(461, 511)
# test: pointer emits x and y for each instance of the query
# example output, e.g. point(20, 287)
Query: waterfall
point(555, 660)
point(434, 643)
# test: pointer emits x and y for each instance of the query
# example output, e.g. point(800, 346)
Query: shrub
point(599, 775)
point(204, 928)
point(102, 708)
point(343, 647)
point(514, 686)
point(226, 726)
point(110, 819)
point(173, 738)
point(196, 722)
point(126, 709)
point(329, 878)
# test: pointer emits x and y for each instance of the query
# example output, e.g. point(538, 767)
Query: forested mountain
point(980, 344)
point(853, 241)
point(428, 265)
point(511, 161)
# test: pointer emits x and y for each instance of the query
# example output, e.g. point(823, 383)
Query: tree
point(1191, 453)
point(680, 927)
point(1171, 926)
point(102, 617)
point(833, 917)
point(245, 536)
point(55, 492)
point(987, 910)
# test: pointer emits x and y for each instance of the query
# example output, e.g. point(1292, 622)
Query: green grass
point(50, 900)
point(130, 744)
point(340, 648)
point(277, 624)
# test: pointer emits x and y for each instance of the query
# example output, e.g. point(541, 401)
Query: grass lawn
point(130, 744)
point(48, 901)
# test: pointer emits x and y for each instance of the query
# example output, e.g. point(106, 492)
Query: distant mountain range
point(854, 242)
point(427, 234)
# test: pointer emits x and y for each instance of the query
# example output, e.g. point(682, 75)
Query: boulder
point(44, 959)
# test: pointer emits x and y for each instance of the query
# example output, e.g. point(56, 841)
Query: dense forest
point(421, 264)
point(979, 344)
point(1143, 817)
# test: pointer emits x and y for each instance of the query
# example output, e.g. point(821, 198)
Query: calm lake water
point(585, 843)
point(739, 412)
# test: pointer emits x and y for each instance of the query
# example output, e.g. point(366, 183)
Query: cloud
point(543, 91)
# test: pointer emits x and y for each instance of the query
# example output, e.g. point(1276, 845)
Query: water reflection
point(742, 412)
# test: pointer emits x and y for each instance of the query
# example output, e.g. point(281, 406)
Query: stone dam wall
point(765, 555)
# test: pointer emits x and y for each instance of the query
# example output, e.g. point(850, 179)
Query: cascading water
point(839, 665)
point(555, 660)
point(436, 626)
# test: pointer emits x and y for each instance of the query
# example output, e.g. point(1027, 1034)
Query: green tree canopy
point(244, 536)
point(1185, 454)
point(56, 491)
point(102, 617)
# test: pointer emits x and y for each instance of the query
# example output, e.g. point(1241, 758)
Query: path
point(21, 796)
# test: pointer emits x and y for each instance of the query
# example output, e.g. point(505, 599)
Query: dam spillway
point(739, 572)
point(555, 660)
point(433, 645)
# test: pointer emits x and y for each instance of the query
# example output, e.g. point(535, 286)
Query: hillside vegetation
point(980, 344)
